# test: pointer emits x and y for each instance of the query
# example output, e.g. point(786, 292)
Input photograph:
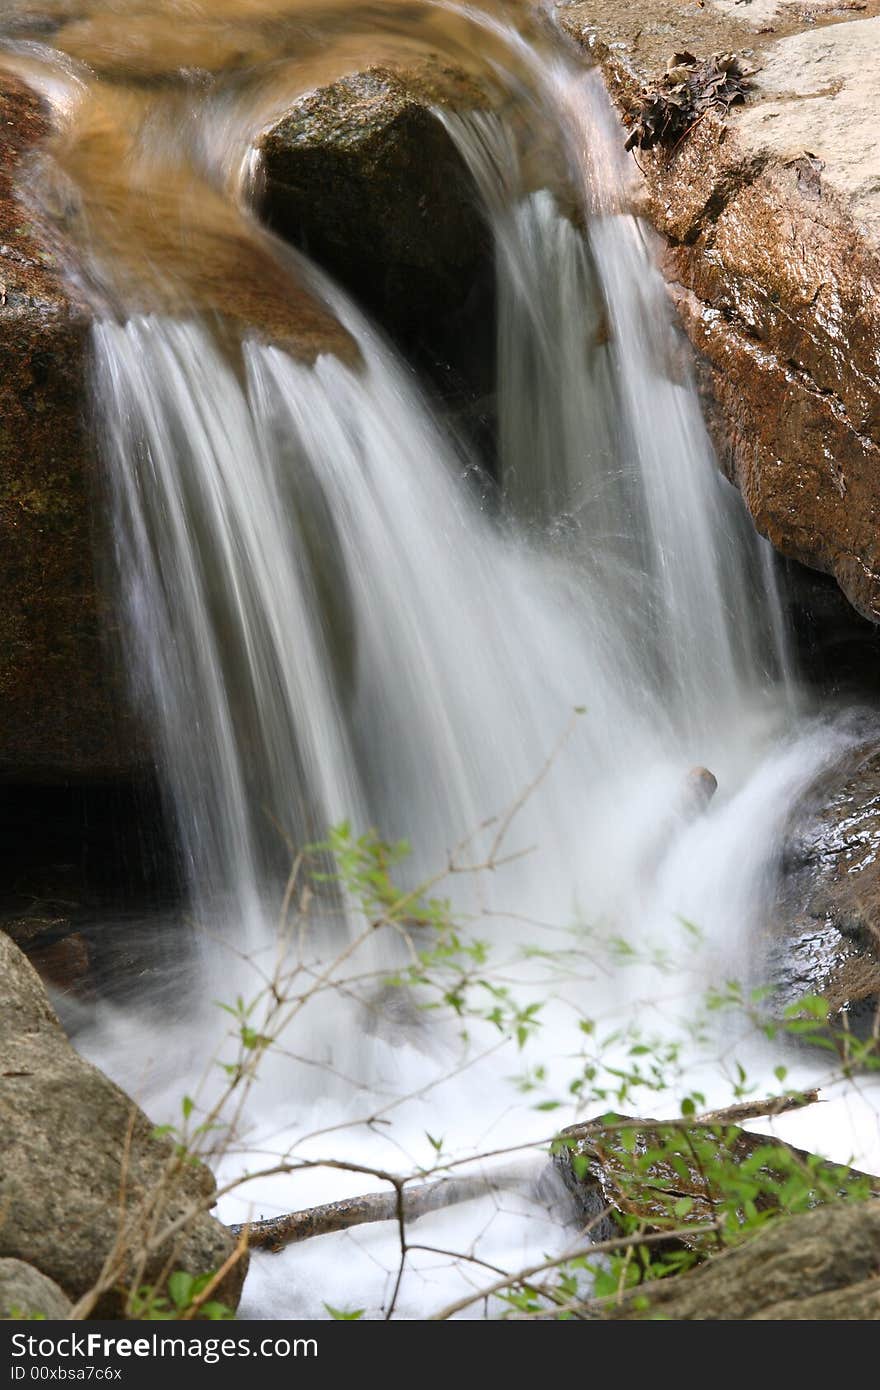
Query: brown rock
point(773, 225)
point(59, 698)
point(825, 931)
point(58, 953)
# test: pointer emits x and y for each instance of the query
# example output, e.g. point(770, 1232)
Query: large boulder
point(83, 1174)
point(820, 1266)
point(772, 217)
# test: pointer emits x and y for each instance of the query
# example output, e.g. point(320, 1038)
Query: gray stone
point(820, 1265)
point(26, 1293)
point(82, 1172)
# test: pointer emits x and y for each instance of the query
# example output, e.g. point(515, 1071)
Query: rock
point(772, 217)
point(821, 1265)
point(825, 934)
point(58, 952)
point(363, 176)
point(700, 786)
point(64, 705)
point(26, 1293)
point(618, 1169)
point(74, 1149)
point(60, 703)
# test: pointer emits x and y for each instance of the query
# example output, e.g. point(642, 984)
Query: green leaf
point(339, 1315)
point(180, 1288)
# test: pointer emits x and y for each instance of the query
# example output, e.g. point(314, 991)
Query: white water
point(325, 626)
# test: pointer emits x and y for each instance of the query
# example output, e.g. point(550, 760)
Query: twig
point(584, 1252)
point(758, 1109)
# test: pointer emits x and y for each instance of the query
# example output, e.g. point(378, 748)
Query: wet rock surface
point(620, 1169)
point(52, 616)
point(364, 177)
point(84, 871)
point(79, 1161)
point(59, 621)
point(771, 215)
point(821, 1265)
point(825, 938)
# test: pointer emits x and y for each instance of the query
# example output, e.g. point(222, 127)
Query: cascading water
point(324, 626)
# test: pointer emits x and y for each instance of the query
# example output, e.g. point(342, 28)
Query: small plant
point(182, 1299)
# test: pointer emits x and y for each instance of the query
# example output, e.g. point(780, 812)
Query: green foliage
point(339, 1315)
point(151, 1304)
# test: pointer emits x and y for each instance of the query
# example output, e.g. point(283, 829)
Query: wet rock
point(26, 1293)
point(59, 695)
point(58, 952)
point(75, 1151)
point(64, 704)
point(821, 1265)
point(700, 786)
point(620, 1169)
point(363, 176)
point(772, 217)
point(825, 936)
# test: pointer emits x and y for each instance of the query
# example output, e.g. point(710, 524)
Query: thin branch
point(401, 1204)
point(584, 1252)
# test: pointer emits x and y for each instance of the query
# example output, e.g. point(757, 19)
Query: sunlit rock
point(772, 216)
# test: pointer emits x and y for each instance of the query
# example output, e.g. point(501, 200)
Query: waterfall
point(325, 624)
point(601, 435)
point(325, 627)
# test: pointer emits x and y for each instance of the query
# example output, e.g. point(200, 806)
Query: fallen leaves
point(688, 90)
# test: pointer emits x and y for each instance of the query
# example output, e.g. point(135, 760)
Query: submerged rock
point(79, 1161)
point(772, 216)
point(26, 1293)
point(821, 1265)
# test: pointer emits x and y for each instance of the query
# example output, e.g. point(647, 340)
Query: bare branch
point(401, 1204)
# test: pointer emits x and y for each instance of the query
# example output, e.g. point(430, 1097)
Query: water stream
point(326, 623)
